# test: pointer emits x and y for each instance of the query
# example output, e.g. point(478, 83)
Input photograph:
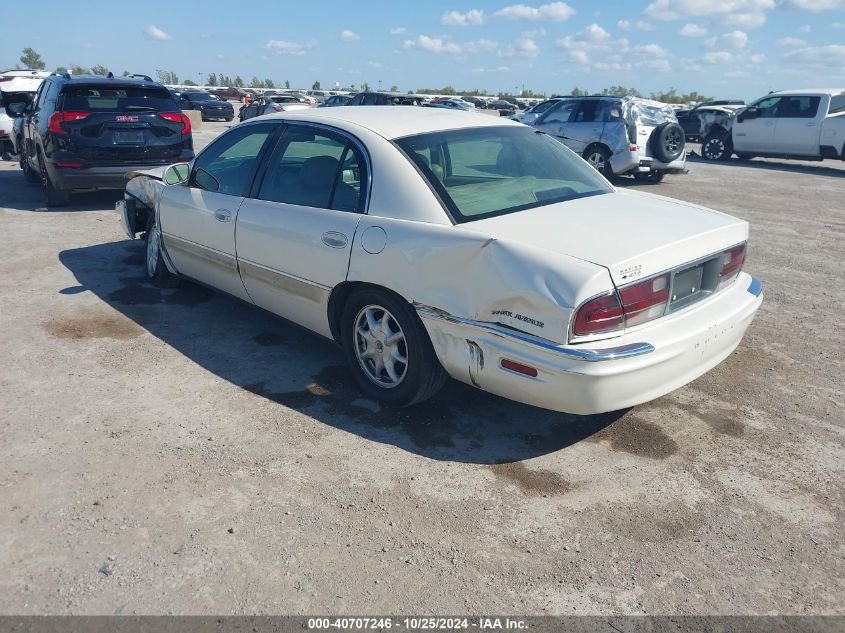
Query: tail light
point(5, 78)
point(178, 117)
point(54, 124)
point(732, 262)
point(634, 304)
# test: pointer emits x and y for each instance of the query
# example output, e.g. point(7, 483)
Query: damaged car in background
point(428, 245)
point(619, 135)
point(792, 124)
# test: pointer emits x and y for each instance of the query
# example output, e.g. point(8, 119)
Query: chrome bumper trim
point(755, 287)
point(589, 355)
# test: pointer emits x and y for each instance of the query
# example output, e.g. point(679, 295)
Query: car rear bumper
point(604, 376)
point(628, 162)
point(102, 177)
point(218, 114)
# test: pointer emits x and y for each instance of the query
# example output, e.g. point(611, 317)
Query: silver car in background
point(619, 135)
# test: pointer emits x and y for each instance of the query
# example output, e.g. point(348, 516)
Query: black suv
point(209, 105)
point(87, 132)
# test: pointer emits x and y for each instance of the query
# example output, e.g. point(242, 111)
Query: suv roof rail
point(140, 76)
point(65, 75)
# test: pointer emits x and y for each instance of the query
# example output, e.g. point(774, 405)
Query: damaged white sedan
point(427, 244)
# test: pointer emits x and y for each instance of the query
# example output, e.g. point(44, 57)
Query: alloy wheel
point(380, 346)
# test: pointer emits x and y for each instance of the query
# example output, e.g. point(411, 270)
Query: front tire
point(154, 264)
point(717, 146)
point(29, 173)
point(388, 349)
point(599, 159)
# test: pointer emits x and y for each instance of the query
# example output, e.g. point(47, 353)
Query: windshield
point(117, 98)
point(483, 172)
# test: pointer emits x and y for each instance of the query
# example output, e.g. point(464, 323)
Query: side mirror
point(177, 174)
point(749, 113)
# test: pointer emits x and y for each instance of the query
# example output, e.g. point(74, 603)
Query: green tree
point(256, 82)
point(61, 69)
point(287, 84)
point(268, 83)
point(239, 83)
point(99, 70)
point(315, 85)
point(31, 59)
point(365, 87)
point(394, 88)
point(167, 77)
point(78, 70)
point(212, 79)
point(621, 91)
point(578, 92)
point(125, 73)
point(188, 82)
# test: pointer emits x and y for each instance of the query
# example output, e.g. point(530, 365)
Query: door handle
point(334, 239)
point(223, 215)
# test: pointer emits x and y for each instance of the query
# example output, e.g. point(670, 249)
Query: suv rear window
point(117, 99)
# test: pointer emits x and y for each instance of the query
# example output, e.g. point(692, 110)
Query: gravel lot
point(179, 452)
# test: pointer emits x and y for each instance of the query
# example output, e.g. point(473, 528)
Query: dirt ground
point(175, 451)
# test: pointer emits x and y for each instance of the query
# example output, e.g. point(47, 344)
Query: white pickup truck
point(799, 124)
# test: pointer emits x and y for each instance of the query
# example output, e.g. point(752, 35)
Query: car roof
point(88, 80)
point(393, 122)
point(807, 91)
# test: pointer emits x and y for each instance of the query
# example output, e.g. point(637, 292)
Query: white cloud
point(541, 32)
point(791, 42)
point(660, 65)
point(553, 12)
point(398, 30)
point(447, 46)
point(805, 29)
point(594, 39)
point(522, 47)
point(693, 30)
point(816, 5)
point(499, 69)
point(283, 47)
point(759, 58)
point(718, 57)
point(734, 40)
point(373, 64)
point(830, 56)
point(746, 13)
point(639, 25)
point(650, 50)
point(349, 36)
point(155, 33)
point(838, 25)
point(579, 57)
point(472, 17)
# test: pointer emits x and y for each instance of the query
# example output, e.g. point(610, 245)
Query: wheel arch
point(597, 144)
point(340, 294)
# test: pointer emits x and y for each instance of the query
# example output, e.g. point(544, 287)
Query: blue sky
point(724, 48)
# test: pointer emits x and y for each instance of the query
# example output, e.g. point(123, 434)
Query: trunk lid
point(632, 234)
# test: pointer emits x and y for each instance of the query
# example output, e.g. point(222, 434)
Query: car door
point(555, 121)
point(294, 237)
point(798, 125)
point(197, 220)
point(33, 119)
point(757, 134)
point(585, 125)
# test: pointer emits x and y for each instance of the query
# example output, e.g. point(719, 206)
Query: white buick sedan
point(428, 244)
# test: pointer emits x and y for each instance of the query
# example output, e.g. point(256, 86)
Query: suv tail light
point(57, 118)
point(732, 262)
point(177, 117)
point(5, 78)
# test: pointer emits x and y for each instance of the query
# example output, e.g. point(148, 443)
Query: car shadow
point(280, 362)
point(17, 193)
point(816, 169)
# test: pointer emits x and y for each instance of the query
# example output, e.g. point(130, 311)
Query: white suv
point(15, 85)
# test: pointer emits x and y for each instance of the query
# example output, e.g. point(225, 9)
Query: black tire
point(717, 145)
point(599, 159)
point(229, 119)
point(421, 373)
point(29, 173)
point(745, 156)
point(55, 197)
point(651, 176)
point(667, 142)
point(154, 267)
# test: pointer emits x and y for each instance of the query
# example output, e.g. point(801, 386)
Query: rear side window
point(798, 107)
point(99, 98)
point(837, 104)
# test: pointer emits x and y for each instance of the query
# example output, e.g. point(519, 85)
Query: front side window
point(563, 113)
point(489, 171)
point(767, 108)
point(542, 107)
point(313, 168)
point(228, 165)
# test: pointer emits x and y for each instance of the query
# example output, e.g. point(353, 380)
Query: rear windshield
point(483, 172)
point(117, 99)
point(200, 96)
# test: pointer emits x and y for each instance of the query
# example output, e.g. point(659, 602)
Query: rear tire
point(55, 197)
point(154, 265)
point(388, 349)
point(599, 159)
